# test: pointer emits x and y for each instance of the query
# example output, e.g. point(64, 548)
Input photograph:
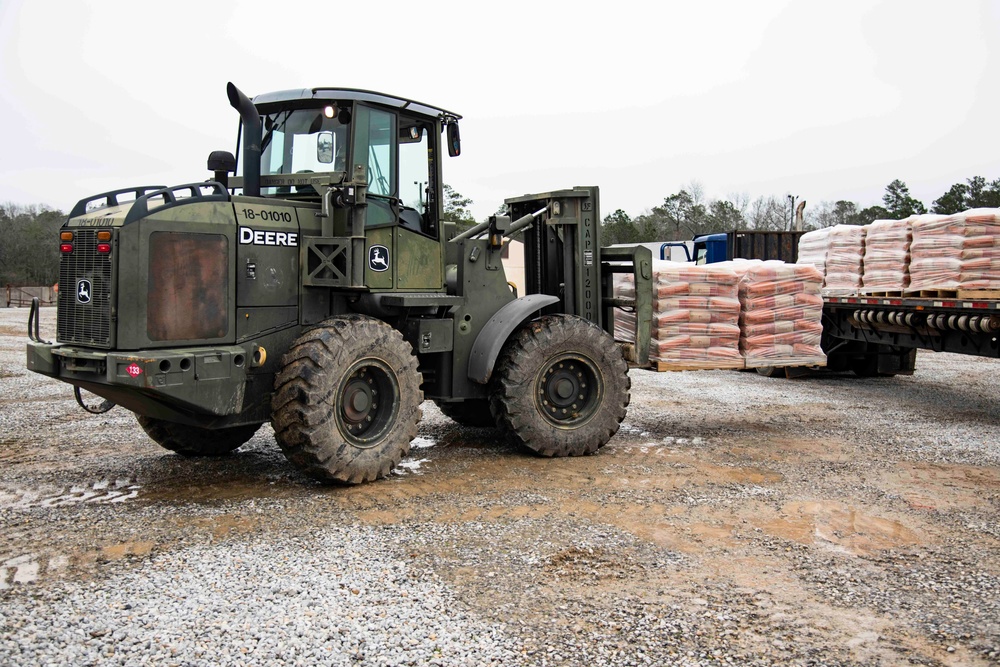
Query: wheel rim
point(367, 402)
point(568, 390)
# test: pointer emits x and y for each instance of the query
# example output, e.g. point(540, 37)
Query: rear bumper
point(199, 380)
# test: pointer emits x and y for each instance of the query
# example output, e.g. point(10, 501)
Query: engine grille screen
point(84, 315)
point(188, 276)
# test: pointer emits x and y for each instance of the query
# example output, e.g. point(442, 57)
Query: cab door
point(395, 153)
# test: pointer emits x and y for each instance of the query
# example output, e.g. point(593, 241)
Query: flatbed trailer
point(880, 334)
point(877, 334)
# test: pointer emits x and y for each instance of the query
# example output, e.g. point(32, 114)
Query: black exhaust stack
point(251, 139)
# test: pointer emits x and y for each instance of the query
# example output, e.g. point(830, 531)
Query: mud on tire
point(193, 440)
point(561, 386)
point(346, 402)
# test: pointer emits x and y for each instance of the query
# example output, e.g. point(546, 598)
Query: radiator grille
point(83, 275)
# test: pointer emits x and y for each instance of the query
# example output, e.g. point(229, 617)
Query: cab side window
point(417, 211)
point(375, 150)
point(396, 157)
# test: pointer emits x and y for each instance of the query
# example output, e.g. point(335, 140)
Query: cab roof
point(324, 93)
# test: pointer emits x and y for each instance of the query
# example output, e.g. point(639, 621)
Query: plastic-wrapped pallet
point(695, 316)
point(981, 263)
point(813, 248)
point(887, 255)
point(844, 260)
point(623, 328)
point(781, 311)
point(960, 251)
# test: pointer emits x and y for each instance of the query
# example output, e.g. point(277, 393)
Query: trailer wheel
point(194, 441)
point(473, 412)
point(346, 402)
point(561, 386)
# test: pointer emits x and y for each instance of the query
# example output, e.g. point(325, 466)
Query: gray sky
point(823, 100)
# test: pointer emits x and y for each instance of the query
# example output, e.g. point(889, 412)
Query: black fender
point(504, 322)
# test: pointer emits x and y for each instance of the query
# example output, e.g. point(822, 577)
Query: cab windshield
point(304, 141)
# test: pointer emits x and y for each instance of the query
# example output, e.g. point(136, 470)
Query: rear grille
point(81, 321)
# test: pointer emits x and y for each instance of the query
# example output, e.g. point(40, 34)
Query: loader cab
point(390, 144)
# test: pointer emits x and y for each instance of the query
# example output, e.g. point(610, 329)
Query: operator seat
point(410, 218)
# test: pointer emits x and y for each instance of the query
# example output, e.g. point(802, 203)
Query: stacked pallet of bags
point(844, 260)
point(813, 248)
point(623, 328)
point(887, 255)
point(960, 251)
point(781, 311)
point(696, 313)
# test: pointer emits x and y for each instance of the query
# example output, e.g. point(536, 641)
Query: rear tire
point(346, 402)
point(561, 386)
point(195, 441)
point(473, 412)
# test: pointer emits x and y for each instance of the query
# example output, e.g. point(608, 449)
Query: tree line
point(29, 244)
point(687, 213)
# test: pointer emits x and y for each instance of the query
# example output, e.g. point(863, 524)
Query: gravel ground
point(734, 519)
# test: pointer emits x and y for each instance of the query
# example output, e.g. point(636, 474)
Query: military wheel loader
point(314, 283)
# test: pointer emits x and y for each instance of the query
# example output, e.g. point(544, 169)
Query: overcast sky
point(822, 100)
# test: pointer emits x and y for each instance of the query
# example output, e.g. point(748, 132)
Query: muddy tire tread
point(514, 402)
point(304, 418)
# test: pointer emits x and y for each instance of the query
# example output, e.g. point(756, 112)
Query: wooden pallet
point(882, 293)
point(931, 293)
point(984, 294)
point(669, 366)
point(979, 294)
point(628, 351)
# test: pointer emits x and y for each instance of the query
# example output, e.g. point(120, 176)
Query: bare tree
point(697, 192)
point(740, 201)
point(768, 214)
point(821, 215)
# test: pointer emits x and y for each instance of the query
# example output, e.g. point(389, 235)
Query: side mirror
point(324, 147)
point(222, 163)
point(454, 140)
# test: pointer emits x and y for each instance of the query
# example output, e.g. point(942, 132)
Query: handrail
point(33, 329)
point(140, 208)
point(111, 198)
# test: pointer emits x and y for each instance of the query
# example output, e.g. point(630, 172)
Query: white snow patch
point(421, 442)
point(406, 467)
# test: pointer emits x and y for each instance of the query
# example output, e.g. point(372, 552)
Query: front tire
point(347, 400)
point(561, 386)
point(195, 441)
